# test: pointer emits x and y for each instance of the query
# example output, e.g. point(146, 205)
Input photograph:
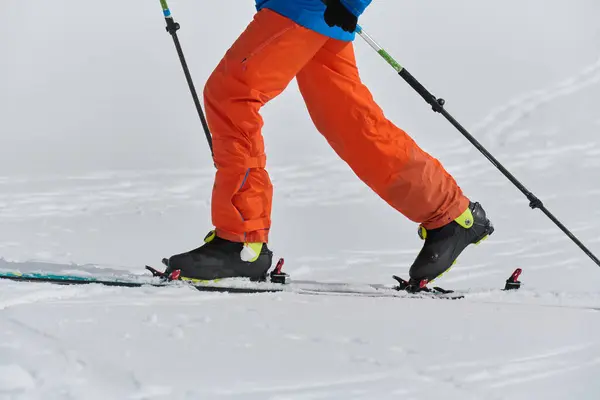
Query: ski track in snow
point(86, 340)
point(505, 117)
point(122, 192)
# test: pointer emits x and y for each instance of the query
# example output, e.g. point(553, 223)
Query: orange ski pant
point(258, 67)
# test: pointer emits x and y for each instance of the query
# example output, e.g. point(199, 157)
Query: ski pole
point(172, 28)
point(438, 106)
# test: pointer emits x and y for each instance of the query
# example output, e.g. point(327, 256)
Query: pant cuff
point(450, 215)
point(261, 236)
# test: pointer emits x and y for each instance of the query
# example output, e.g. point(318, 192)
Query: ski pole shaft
point(438, 106)
point(172, 28)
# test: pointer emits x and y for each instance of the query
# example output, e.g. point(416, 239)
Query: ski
point(233, 285)
point(244, 286)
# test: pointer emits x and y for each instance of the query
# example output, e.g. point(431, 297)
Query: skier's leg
point(385, 157)
point(259, 65)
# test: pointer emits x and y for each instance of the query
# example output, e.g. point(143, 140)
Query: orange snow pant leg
point(258, 67)
point(382, 155)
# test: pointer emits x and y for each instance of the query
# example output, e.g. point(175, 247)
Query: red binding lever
point(513, 283)
point(175, 275)
point(515, 276)
point(279, 266)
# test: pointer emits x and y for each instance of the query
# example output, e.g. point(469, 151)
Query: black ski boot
point(219, 258)
point(443, 245)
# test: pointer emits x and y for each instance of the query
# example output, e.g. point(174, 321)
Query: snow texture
point(104, 168)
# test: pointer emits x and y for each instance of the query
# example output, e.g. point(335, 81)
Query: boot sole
point(482, 240)
point(199, 281)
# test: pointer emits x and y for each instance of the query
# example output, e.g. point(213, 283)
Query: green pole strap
point(384, 54)
point(390, 60)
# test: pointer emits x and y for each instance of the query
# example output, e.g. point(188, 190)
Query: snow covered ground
point(105, 169)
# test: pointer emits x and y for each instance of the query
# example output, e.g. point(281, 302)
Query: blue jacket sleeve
point(357, 7)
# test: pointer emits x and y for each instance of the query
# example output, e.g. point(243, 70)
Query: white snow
point(104, 168)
